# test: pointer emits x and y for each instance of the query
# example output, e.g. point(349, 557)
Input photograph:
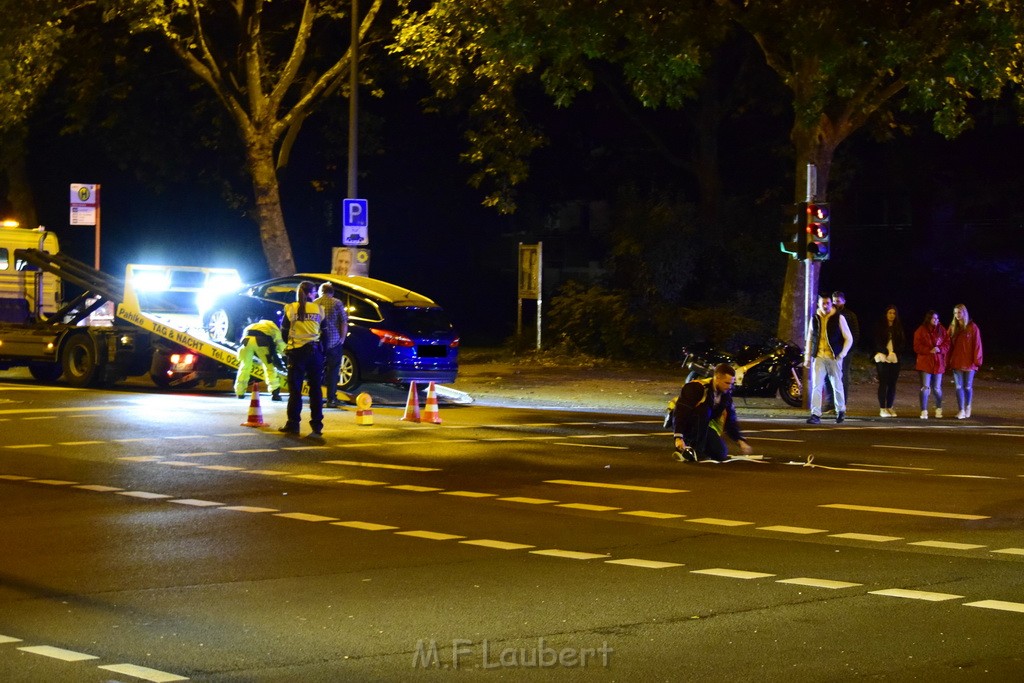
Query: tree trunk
point(812, 147)
point(12, 167)
point(273, 235)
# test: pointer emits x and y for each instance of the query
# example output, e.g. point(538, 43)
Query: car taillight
point(392, 338)
point(455, 343)
point(183, 358)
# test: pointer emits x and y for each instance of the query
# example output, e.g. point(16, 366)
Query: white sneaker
point(892, 413)
point(884, 413)
point(961, 415)
point(924, 414)
point(938, 413)
point(967, 410)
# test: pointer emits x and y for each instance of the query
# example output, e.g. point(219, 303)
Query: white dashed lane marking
point(947, 545)
point(713, 521)
point(871, 538)
point(792, 529)
point(645, 563)
point(901, 511)
point(916, 595)
point(997, 604)
point(57, 653)
point(820, 583)
point(623, 487)
point(732, 573)
point(144, 673)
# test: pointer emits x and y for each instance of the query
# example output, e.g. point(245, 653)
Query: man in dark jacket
point(704, 414)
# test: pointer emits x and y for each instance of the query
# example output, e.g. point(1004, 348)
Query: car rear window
point(422, 320)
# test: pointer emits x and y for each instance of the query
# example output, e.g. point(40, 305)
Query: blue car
point(395, 335)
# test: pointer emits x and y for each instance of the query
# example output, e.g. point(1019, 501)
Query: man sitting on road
point(704, 414)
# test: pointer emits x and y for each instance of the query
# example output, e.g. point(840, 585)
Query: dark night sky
point(919, 221)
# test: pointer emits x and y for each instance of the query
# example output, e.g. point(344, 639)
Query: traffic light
point(818, 224)
point(792, 234)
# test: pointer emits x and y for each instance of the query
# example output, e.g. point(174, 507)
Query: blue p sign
point(355, 213)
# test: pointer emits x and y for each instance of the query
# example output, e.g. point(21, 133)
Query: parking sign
point(355, 221)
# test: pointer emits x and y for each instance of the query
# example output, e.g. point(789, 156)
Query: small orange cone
point(364, 409)
point(255, 414)
point(430, 412)
point(412, 405)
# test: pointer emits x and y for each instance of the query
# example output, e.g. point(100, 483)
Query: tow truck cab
point(27, 294)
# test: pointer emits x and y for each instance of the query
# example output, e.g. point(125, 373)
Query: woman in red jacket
point(964, 358)
point(931, 344)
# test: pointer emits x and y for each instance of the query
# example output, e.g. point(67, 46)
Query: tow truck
point(113, 329)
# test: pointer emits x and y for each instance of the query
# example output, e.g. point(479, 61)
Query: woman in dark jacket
point(889, 342)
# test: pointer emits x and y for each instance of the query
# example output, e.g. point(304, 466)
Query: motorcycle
point(763, 369)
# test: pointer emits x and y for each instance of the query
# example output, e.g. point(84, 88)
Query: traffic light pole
point(811, 191)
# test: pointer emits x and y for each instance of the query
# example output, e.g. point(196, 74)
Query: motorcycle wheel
point(791, 391)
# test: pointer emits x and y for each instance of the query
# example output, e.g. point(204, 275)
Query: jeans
point(820, 369)
point(964, 381)
point(332, 364)
point(931, 383)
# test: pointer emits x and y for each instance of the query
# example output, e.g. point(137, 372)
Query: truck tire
point(45, 372)
point(80, 363)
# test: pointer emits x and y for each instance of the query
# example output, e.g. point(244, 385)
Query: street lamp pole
point(353, 104)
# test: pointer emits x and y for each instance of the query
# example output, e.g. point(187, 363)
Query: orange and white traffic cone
point(255, 418)
point(430, 412)
point(364, 409)
point(412, 405)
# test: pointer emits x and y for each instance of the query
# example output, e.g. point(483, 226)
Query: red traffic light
point(819, 230)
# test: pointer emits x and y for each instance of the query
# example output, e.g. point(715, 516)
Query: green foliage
point(592, 320)
point(32, 38)
point(496, 48)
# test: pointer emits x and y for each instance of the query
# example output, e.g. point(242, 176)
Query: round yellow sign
point(364, 401)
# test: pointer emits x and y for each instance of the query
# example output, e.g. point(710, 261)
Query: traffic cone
point(412, 405)
point(364, 409)
point(255, 418)
point(430, 412)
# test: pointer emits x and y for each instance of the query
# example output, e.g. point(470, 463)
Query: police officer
point(302, 320)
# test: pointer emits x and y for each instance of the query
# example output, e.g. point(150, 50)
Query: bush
point(592, 320)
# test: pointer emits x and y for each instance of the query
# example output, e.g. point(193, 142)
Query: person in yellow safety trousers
point(260, 340)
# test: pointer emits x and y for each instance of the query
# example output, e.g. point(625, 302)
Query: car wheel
point(81, 366)
point(219, 327)
point(348, 374)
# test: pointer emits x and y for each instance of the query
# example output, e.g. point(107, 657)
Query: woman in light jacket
point(964, 358)
point(931, 344)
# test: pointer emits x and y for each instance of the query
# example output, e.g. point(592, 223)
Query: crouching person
point(704, 415)
point(261, 340)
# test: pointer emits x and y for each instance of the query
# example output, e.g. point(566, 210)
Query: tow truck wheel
point(81, 367)
point(218, 325)
point(348, 378)
point(45, 372)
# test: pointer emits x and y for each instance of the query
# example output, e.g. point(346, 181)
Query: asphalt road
point(151, 537)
